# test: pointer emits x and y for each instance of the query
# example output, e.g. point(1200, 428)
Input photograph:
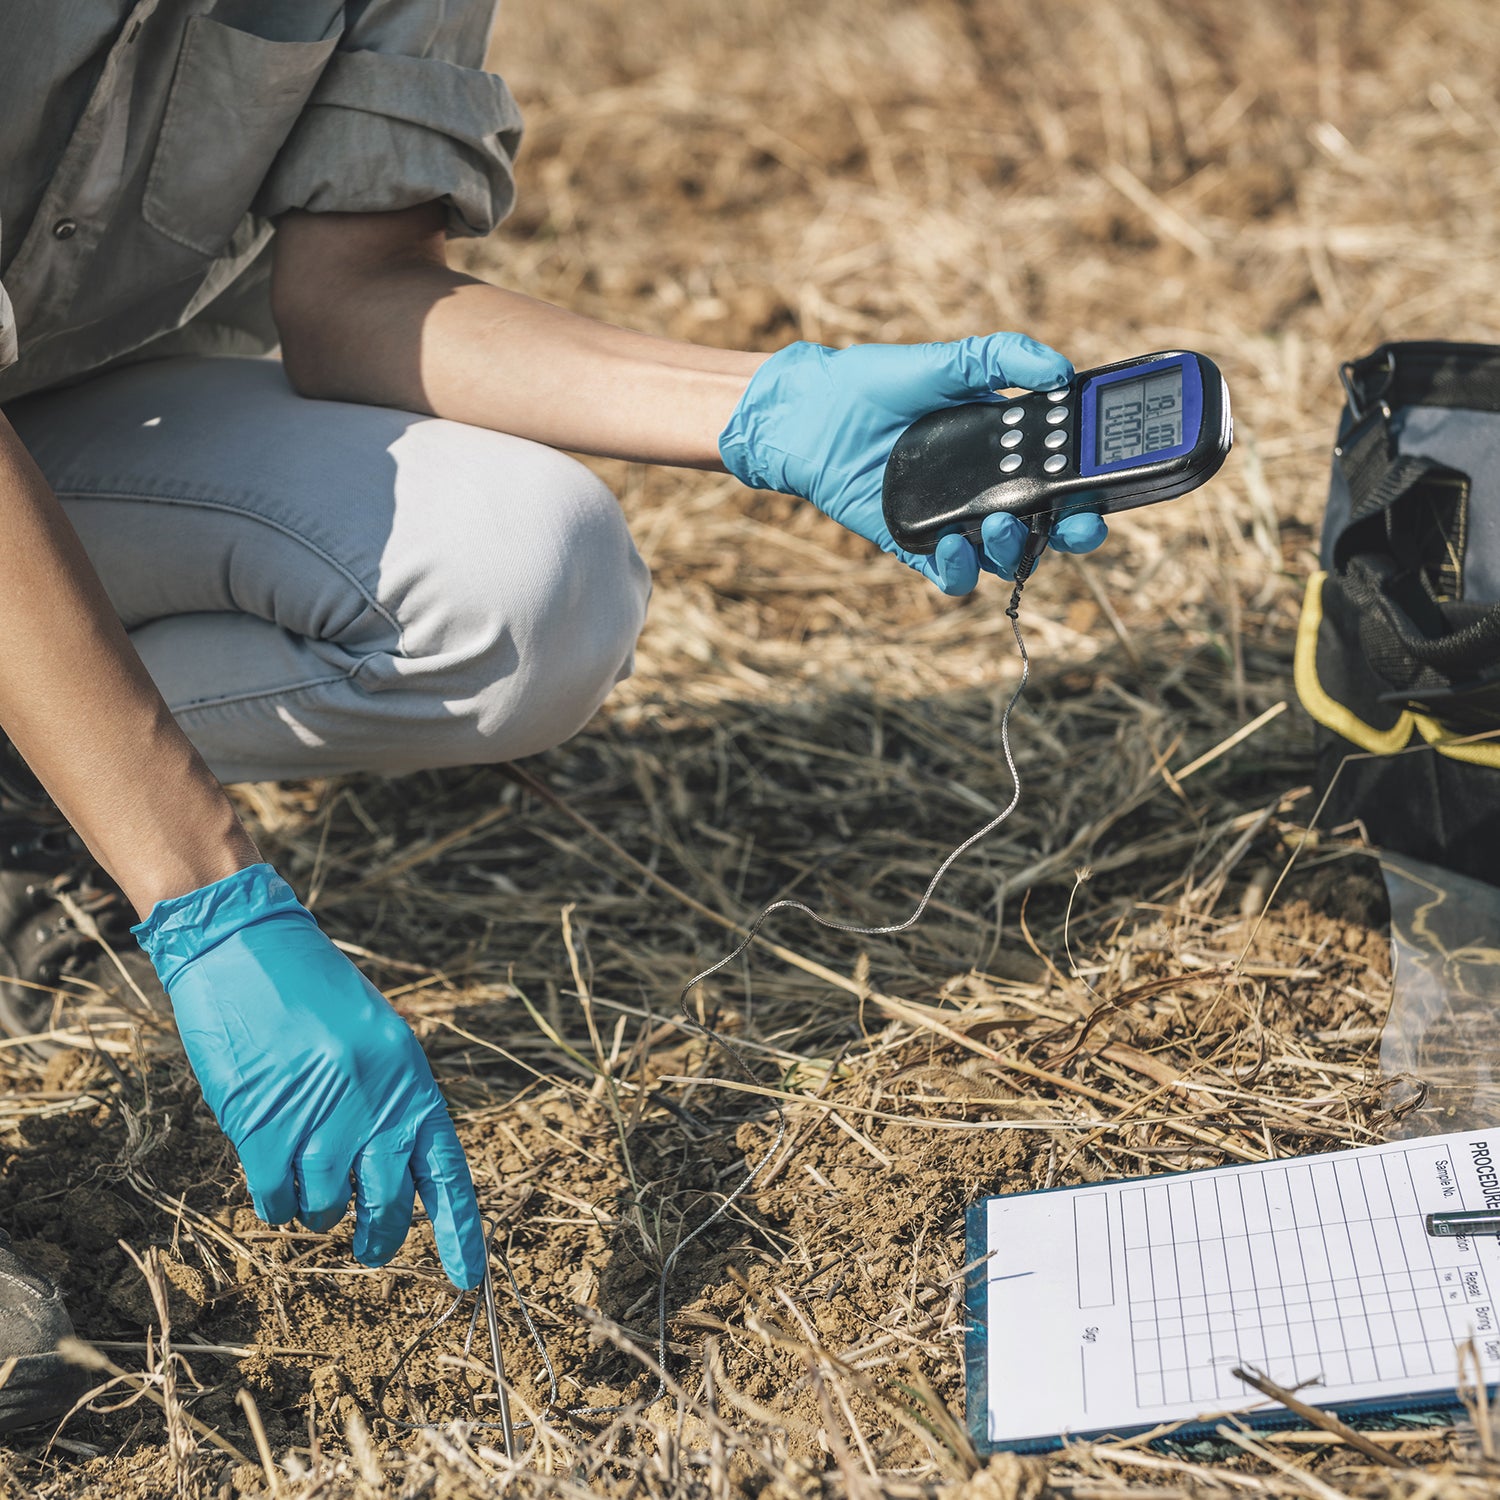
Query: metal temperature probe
point(1123, 435)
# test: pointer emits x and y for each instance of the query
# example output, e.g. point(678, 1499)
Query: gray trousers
point(319, 587)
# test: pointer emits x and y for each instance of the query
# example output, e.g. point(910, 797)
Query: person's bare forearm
point(77, 703)
point(369, 311)
point(498, 359)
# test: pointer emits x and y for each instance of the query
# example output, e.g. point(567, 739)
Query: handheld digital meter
point(1123, 435)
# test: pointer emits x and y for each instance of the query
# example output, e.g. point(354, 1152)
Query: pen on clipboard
point(1476, 1221)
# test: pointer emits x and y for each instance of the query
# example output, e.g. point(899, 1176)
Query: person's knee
point(585, 590)
point(535, 612)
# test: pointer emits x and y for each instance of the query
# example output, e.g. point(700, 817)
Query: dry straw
point(1277, 184)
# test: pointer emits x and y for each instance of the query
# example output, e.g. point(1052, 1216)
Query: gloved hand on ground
point(310, 1073)
point(821, 423)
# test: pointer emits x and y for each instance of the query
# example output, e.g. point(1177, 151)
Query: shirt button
point(65, 229)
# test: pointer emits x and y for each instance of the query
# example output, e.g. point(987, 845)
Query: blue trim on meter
point(1192, 414)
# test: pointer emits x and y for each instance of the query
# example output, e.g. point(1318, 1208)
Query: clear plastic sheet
point(1441, 1046)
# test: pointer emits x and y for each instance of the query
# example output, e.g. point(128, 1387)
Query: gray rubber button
point(1055, 462)
point(1057, 414)
point(1011, 439)
point(1055, 438)
point(1010, 463)
point(1061, 394)
point(1011, 415)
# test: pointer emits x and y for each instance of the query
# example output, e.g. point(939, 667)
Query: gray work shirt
point(147, 145)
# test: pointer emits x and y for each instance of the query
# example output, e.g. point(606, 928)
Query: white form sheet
point(1129, 1303)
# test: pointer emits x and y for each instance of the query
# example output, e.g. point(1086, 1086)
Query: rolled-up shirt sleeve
point(404, 113)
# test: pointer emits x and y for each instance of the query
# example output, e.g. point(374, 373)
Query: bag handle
point(1423, 503)
point(1398, 559)
point(1378, 477)
point(1396, 644)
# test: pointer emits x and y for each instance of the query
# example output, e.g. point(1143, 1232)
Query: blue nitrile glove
point(821, 423)
point(309, 1071)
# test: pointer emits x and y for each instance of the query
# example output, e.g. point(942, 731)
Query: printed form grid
point(1299, 1271)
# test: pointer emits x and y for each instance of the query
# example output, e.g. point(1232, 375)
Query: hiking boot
point(49, 884)
point(45, 957)
point(42, 1385)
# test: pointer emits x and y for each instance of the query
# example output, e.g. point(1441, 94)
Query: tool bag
point(1398, 650)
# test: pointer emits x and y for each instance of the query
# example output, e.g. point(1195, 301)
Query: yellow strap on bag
point(1477, 750)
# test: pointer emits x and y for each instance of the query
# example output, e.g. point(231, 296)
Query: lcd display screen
point(1140, 417)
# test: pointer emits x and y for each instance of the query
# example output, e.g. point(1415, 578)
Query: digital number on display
point(1138, 417)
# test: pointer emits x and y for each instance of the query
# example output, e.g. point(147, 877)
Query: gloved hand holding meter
point(821, 423)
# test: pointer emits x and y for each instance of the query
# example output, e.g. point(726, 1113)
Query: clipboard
point(1109, 1309)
